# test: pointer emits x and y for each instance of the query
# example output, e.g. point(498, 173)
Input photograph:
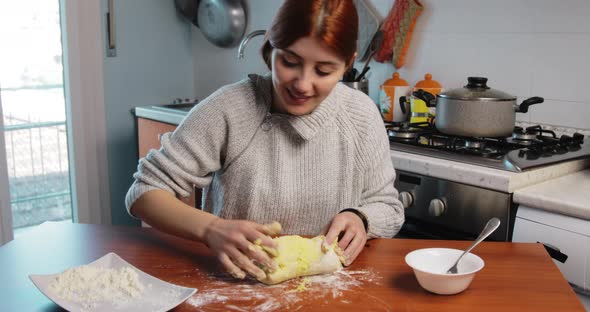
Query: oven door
point(442, 209)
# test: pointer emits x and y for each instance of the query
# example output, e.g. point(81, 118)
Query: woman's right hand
point(235, 242)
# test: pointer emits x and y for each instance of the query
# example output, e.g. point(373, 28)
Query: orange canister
point(389, 93)
point(421, 111)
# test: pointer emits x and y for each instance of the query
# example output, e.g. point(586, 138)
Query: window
point(33, 106)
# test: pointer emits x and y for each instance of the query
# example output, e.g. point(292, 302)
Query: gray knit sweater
point(261, 166)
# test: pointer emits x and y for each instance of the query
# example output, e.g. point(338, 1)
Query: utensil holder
point(362, 85)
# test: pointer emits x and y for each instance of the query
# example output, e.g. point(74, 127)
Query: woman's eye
point(289, 63)
point(322, 73)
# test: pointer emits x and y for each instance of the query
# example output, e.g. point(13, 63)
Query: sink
point(167, 113)
point(183, 107)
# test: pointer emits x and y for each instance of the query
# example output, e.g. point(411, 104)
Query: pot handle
point(524, 106)
point(427, 97)
point(402, 104)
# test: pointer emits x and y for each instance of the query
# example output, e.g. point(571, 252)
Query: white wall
point(525, 47)
point(154, 65)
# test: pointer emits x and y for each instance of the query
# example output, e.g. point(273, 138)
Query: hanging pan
point(222, 22)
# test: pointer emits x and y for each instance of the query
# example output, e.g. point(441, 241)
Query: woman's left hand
point(353, 232)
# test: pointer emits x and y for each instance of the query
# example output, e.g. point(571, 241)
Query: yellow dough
point(297, 256)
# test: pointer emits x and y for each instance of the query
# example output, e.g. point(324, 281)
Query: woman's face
point(303, 75)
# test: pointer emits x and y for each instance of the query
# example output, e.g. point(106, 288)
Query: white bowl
point(430, 266)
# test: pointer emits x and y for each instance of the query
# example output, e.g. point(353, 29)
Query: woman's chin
point(299, 110)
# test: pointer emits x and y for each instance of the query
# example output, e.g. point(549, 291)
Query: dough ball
point(298, 256)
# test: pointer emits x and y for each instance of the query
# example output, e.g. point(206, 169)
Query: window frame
point(84, 52)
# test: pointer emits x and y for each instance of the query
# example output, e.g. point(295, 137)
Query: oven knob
point(406, 198)
point(436, 207)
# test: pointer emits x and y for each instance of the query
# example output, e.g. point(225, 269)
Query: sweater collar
point(306, 126)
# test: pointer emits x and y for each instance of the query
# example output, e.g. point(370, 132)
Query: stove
point(527, 148)
point(437, 208)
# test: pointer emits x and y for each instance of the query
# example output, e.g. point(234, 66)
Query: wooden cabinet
point(149, 133)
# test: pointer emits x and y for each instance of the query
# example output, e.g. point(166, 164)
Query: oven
point(441, 209)
point(436, 208)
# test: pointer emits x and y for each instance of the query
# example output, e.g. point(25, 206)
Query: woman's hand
point(354, 236)
point(234, 243)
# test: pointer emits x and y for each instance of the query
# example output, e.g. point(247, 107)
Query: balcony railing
point(38, 171)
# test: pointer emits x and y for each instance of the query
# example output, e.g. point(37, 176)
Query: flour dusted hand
point(298, 256)
point(234, 241)
point(353, 235)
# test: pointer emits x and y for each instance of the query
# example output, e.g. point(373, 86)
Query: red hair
point(333, 22)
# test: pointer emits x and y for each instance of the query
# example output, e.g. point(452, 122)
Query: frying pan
point(222, 22)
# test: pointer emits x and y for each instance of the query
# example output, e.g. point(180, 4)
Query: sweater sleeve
point(209, 139)
point(188, 156)
point(379, 200)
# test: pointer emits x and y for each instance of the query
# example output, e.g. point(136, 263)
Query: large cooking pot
point(476, 110)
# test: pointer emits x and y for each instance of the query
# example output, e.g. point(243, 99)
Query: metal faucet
point(245, 41)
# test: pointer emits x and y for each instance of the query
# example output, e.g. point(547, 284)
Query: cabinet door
point(149, 133)
point(574, 245)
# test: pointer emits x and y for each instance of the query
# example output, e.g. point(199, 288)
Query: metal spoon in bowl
point(490, 227)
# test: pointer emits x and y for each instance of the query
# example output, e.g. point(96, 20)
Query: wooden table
point(517, 276)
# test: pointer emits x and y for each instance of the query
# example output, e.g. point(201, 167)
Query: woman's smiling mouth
point(297, 99)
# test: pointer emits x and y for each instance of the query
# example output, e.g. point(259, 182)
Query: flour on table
point(250, 295)
point(90, 285)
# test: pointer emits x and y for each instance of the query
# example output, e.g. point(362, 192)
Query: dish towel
point(398, 27)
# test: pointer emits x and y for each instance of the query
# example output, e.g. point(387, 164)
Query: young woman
point(293, 146)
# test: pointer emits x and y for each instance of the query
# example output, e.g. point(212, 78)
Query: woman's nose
point(304, 83)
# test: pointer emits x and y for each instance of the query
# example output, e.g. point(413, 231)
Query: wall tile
point(475, 16)
point(451, 58)
point(564, 16)
point(561, 113)
point(561, 66)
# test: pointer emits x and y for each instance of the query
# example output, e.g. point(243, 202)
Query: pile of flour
point(90, 286)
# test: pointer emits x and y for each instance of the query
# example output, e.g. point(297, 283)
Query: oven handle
point(554, 252)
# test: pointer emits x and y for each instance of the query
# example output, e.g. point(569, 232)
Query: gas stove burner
point(407, 130)
point(526, 148)
point(524, 136)
point(402, 135)
point(476, 147)
point(522, 142)
point(530, 133)
point(474, 144)
point(483, 152)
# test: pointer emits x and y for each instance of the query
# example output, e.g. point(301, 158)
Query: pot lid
point(477, 90)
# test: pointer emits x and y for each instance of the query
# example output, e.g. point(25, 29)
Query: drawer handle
point(554, 252)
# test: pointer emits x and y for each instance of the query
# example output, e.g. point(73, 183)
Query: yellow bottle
point(420, 111)
point(389, 93)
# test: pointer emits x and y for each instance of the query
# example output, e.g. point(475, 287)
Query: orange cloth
point(398, 28)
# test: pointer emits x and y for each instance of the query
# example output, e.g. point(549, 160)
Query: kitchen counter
point(499, 180)
point(567, 195)
point(516, 276)
point(171, 113)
